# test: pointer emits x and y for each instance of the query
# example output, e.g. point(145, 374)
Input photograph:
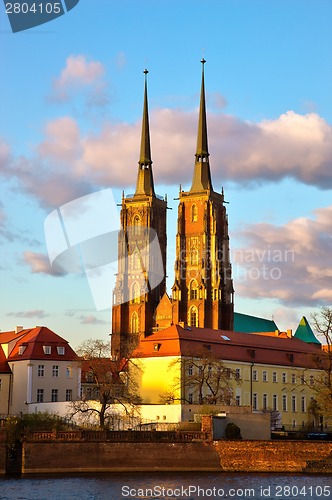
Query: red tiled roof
point(35, 339)
point(227, 345)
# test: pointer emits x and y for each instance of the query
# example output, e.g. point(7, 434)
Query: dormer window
point(21, 349)
point(47, 349)
point(61, 350)
point(156, 347)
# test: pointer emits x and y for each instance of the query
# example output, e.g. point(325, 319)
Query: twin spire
point(202, 175)
point(144, 184)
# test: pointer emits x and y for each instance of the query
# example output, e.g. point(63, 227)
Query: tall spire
point(144, 185)
point(202, 174)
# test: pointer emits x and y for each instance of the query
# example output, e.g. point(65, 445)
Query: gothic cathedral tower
point(141, 280)
point(202, 294)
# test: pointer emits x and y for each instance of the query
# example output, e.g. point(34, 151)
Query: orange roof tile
point(227, 345)
point(34, 339)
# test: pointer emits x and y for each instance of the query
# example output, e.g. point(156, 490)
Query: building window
point(293, 404)
point(136, 224)
point(190, 370)
point(194, 256)
point(40, 395)
point(193, 290)
point(254, 375)
point(41, 370)
point(264, 401)
point(134, 322)
point(264, 376)
point(303, 405)
point(237, 374)
point(69, 372)
point(69, 394)
point(21, 349)
point(194, 213)
point(293, 378)
point(238, 400)
point(275, 402)
point(47, 349)
point(61, 350)
point(193, 316)
point(311, 380)
point(284, 377)
point(284, 402)
point(274, 377)
point(254, 401)
point(302, 378)
point(190, 398)
point(136, 260)
point(55, 371)
point(54, 395)
point(135, 292)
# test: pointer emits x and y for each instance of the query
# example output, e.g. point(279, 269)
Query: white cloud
point(290, 263)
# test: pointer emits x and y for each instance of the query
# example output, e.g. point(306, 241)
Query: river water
point(182, 486)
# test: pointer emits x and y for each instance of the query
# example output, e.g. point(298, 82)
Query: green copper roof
point(305, 333)
point(250, 324)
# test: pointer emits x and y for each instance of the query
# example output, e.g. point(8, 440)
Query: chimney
point(18, 329)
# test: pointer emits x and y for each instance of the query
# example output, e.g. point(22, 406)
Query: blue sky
point(71, 104)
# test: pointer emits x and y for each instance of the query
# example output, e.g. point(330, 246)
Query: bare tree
point(205, 380)
point(323, 384)
point(111, 380)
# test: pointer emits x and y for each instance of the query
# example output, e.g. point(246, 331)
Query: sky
point(70, 119)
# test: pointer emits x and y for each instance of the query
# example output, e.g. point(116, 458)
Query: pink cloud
point(290, 263)
point(39, 263)
point(35, 313)
point(79, 73)
point(70, 163)
point(91, 320)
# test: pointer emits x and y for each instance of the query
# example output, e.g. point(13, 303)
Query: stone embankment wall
point(60, 456)
point(275, 456)
point(228, 456)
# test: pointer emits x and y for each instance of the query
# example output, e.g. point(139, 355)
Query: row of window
point(274, 403)
point(46, 348)
point(54, 395)
point(293, 377)
point(55, 371)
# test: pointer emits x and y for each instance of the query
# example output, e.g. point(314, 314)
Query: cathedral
point(202, 293)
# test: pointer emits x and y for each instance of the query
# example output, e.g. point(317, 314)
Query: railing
point(119, 436)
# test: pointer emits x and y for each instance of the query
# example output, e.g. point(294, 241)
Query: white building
point(38, 367)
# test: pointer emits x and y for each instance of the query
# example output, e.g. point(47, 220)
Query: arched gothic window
point(134, 322)
point(135, 292)
point(136, 224)
point(194, 256)
point(193, 290)
point(194, 213)
point(193, 316)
